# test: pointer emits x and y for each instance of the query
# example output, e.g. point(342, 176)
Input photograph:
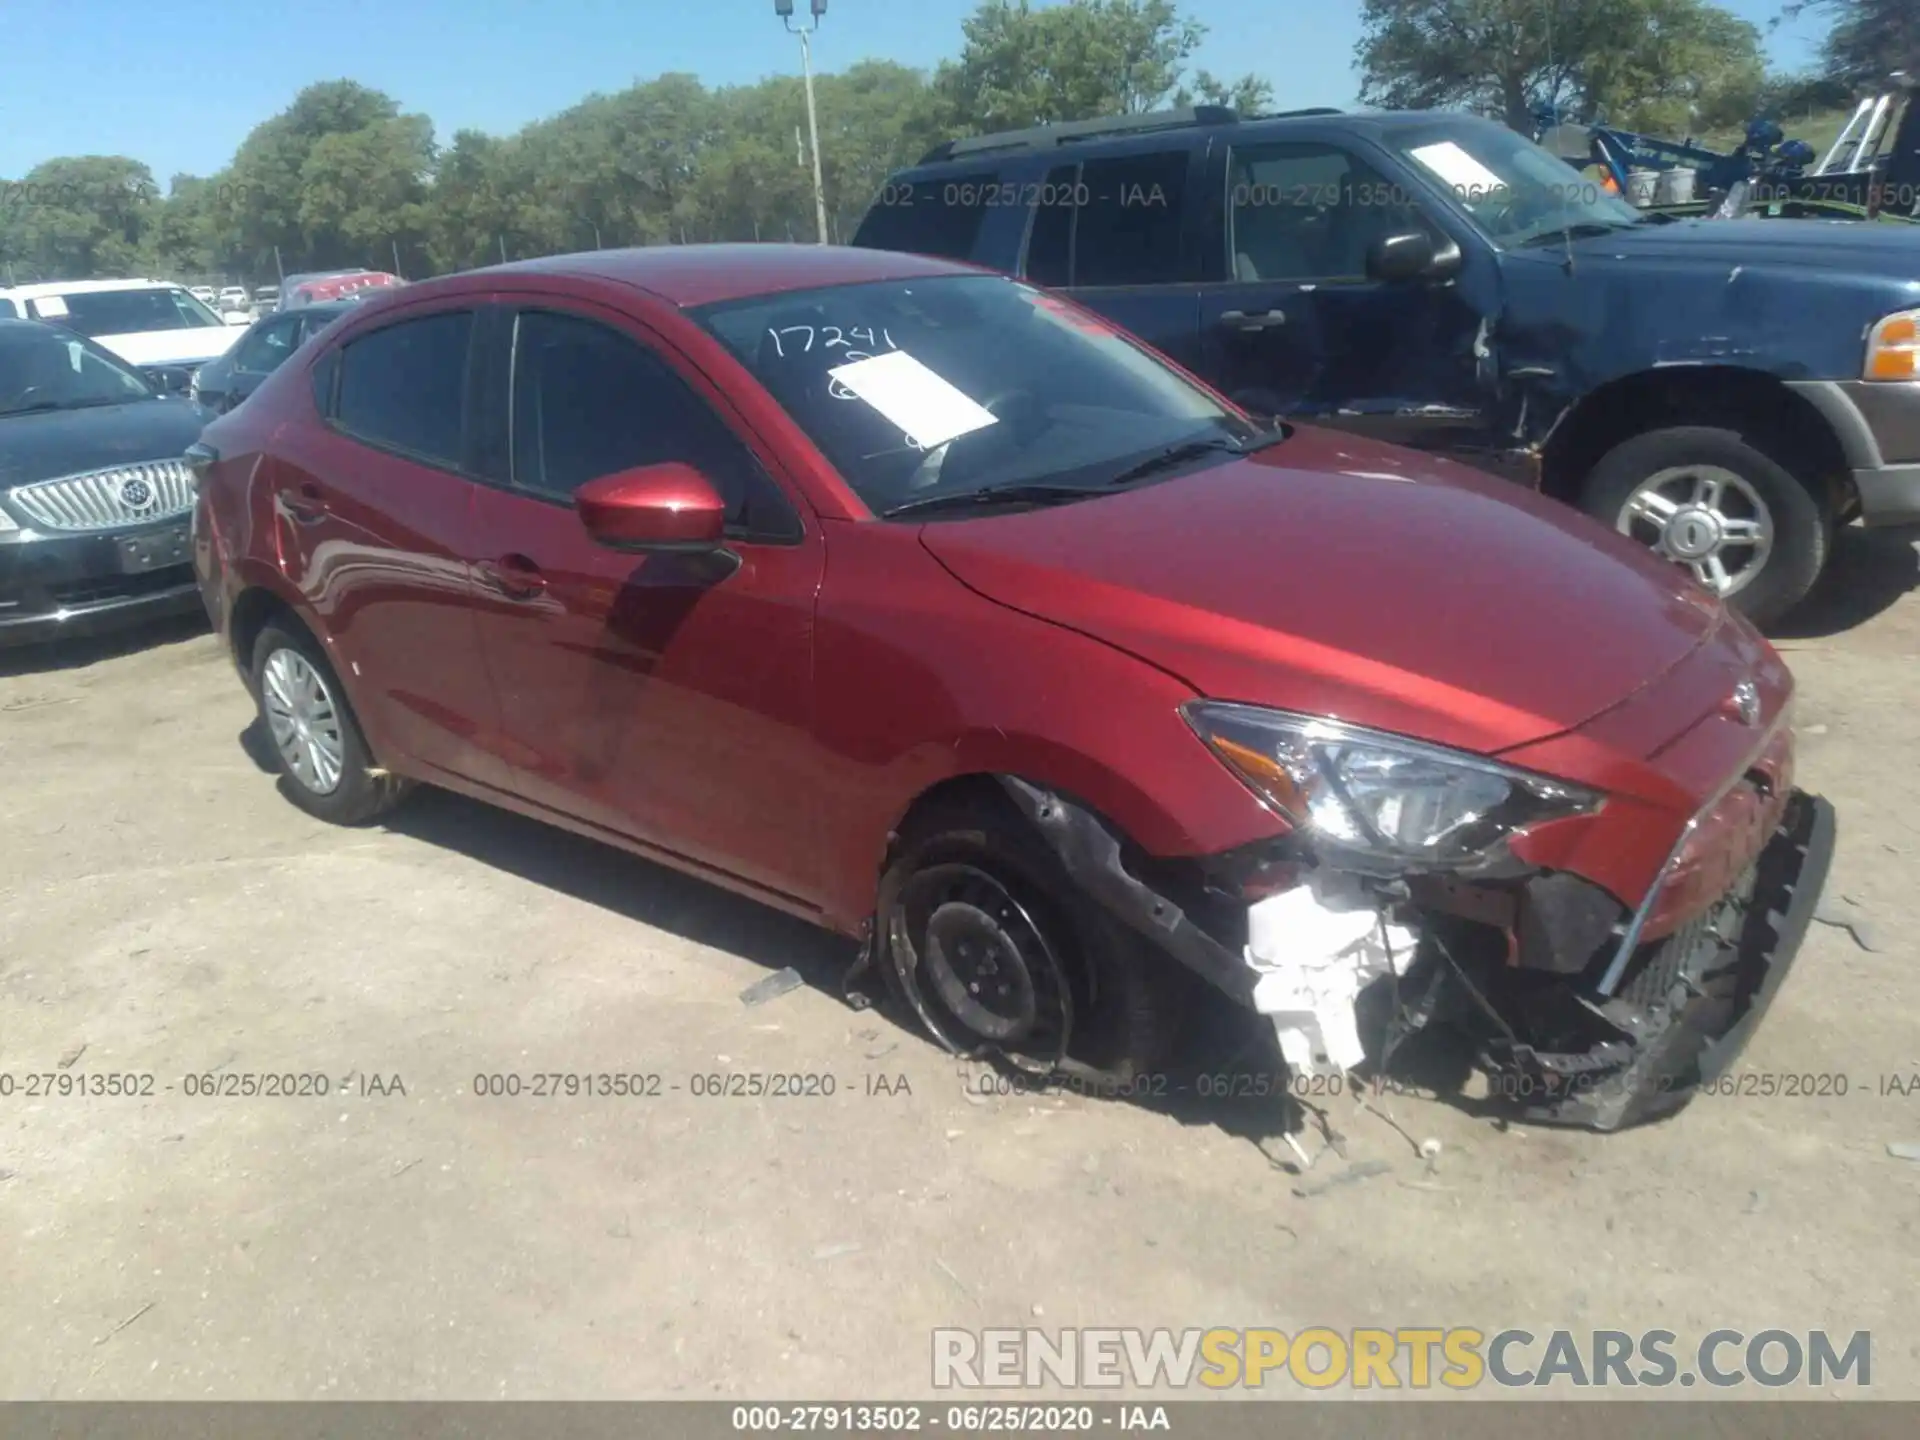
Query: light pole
point(784, 9)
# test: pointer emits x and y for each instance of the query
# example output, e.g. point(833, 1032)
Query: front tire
point(991, 944)
point(325, 766)
point(1711, 501)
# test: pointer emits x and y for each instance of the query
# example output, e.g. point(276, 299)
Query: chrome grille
point(108, 499)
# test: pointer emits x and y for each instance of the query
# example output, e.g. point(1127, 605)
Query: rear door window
point(931, 217)
point(404, 387)
point(1127, 231)
point(1056, 207)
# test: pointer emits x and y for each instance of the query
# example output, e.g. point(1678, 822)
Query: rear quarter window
point(940, 217)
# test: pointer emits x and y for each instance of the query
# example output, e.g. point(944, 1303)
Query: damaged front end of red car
point(1582, 1009)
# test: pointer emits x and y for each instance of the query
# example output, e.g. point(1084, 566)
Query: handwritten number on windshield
point(785, 344)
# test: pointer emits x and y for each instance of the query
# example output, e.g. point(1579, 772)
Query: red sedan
point(930, 607)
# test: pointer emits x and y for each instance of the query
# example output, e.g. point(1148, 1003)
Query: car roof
point(688, 275)
point(83, 287)
point(301, 275)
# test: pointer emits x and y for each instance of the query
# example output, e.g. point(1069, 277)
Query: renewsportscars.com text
point(1415, 1358)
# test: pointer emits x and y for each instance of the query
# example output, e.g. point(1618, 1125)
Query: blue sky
point(180, 84)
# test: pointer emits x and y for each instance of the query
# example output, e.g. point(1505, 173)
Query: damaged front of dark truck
point(1588, 857)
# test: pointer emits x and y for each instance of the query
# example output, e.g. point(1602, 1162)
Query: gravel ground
point(164, 912)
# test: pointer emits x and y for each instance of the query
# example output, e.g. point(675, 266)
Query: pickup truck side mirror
point(1412, 255)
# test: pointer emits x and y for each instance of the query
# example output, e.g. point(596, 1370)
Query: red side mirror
point(654, 507)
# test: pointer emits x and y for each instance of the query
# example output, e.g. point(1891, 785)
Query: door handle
point(514, 576)
point(1241, 320)
point(305, 503)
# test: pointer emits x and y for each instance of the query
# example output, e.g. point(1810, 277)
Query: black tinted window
point(405, 386)
point(1310, 212)
point(588, 402)
point(932, 217)
point(1128, 231)
point(1050, 241)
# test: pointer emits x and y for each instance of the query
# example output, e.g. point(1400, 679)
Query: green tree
point(1869, 39)
point(78, 216)
point(1658, 63)
point(268, 198)
point(1079, 60)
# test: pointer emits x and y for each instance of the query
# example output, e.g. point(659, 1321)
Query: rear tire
point(1687, 490)
point(325, 766)
point(988, 940)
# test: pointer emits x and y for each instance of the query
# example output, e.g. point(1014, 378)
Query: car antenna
point(1566, 230)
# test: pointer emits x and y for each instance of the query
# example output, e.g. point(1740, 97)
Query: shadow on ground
point(77, 652)
point(1869, 572)
point(622, 883)
point(1226, 1073)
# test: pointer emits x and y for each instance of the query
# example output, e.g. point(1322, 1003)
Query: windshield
point(949, 386)
point(126, 312)
point(1515, 191)
point(42, 369)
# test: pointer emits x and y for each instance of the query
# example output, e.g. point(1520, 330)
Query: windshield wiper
point(1015, 494)
point(1584, 230)
point(40, 407)
point(1193, 449)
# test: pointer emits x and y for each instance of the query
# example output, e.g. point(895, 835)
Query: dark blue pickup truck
point(1727, 390)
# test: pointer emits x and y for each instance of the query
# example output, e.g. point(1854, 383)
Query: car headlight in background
point(1379, 801)
point(1893, 348)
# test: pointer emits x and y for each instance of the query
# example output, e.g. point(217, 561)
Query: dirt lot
point(163, 911)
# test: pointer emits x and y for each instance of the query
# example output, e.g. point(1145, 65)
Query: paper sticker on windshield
point(926, 407)
point(50, 307)
point(1469, 178)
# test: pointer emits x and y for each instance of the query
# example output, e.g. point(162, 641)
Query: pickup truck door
point(1299, 329)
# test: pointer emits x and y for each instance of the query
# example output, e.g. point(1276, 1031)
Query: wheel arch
point(1760, 405)
point(262, 599)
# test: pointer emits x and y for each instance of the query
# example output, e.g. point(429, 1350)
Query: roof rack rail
point(1297, 114)
point(1067, 131)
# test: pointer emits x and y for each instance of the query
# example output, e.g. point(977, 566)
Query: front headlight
point(1893, 348)
point(1378, 801)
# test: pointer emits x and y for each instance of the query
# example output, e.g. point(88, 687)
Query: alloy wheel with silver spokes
point(1706, 518)
point(304, 718)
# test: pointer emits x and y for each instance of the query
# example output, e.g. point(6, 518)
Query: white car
point(234, 297)
point(203, 293)
point(147, 323)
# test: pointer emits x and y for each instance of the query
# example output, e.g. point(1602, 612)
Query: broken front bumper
point(1690, 1001)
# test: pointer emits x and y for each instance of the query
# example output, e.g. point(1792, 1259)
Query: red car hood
point(1346, 578)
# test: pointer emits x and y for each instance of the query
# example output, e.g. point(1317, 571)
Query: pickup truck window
point(1128, 229)
point(1310, 212)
